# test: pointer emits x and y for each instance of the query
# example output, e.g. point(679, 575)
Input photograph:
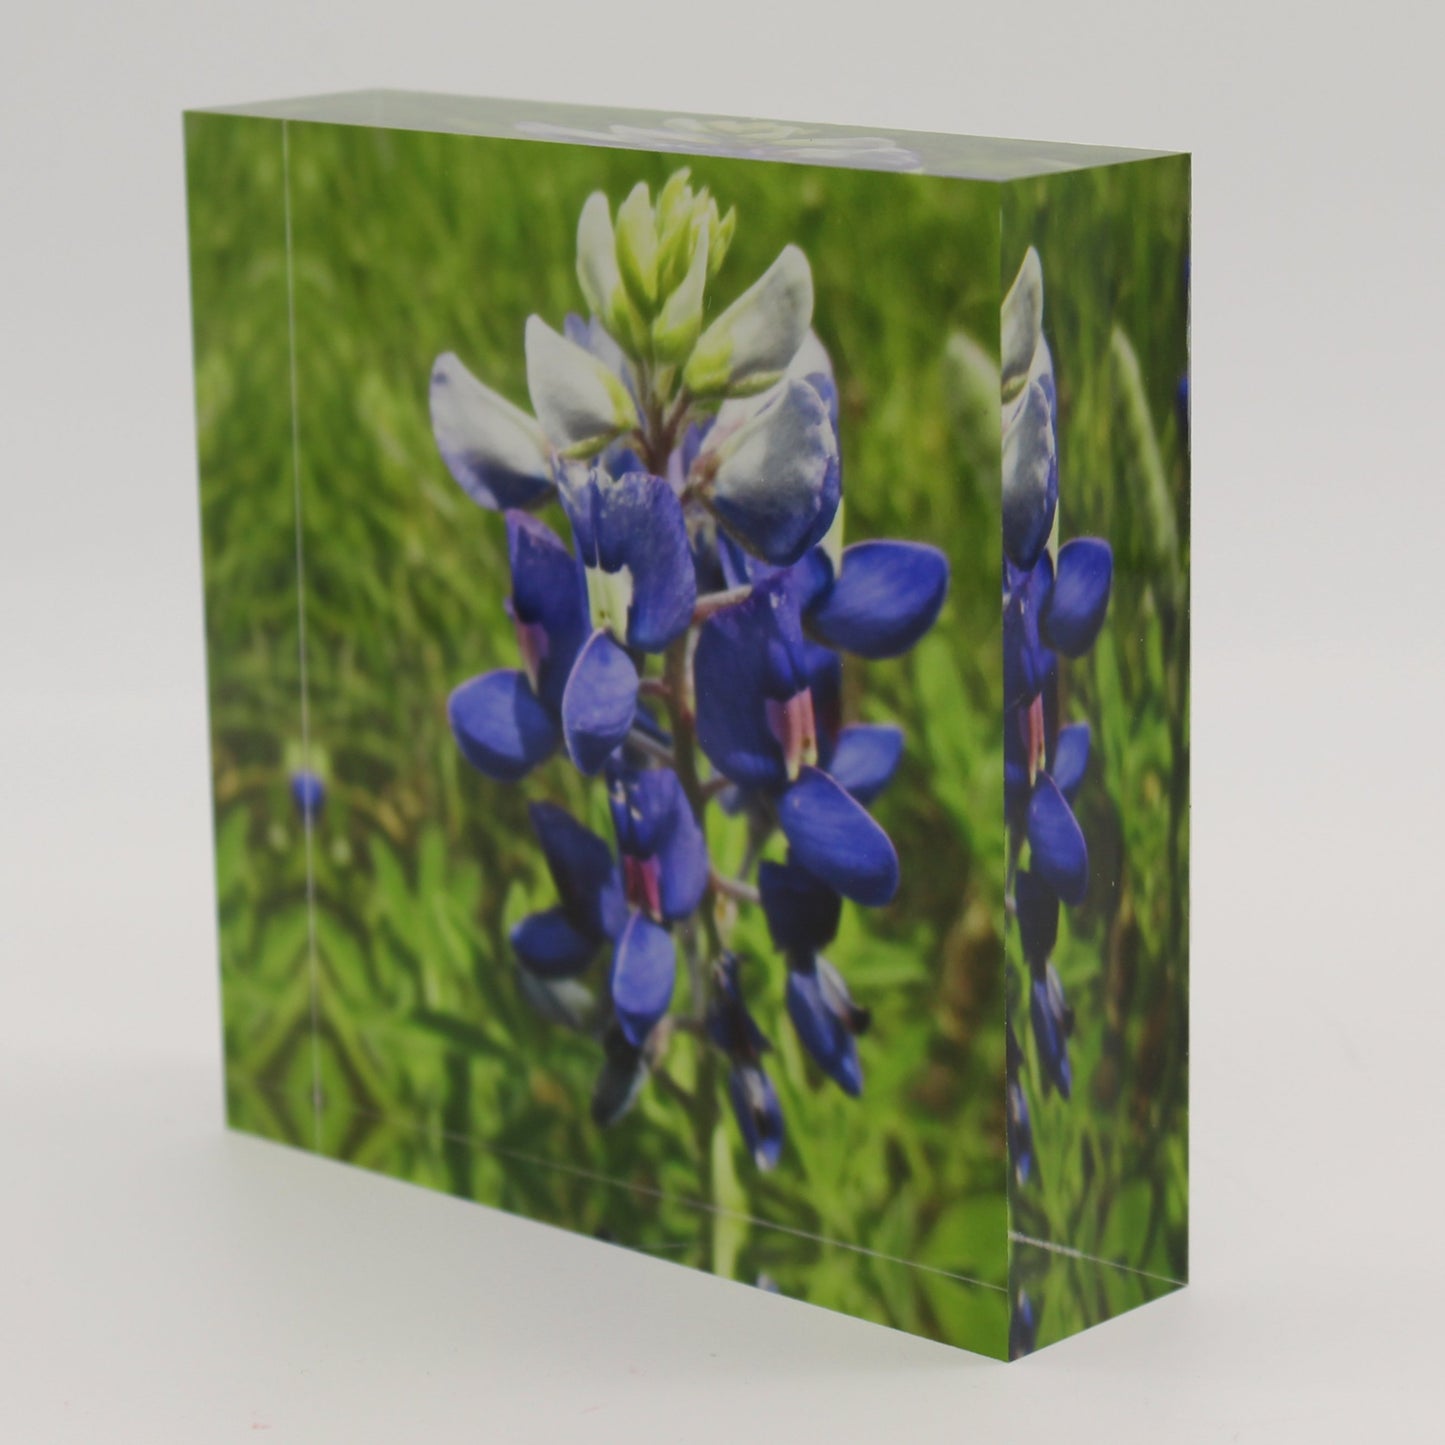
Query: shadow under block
point(697, 616)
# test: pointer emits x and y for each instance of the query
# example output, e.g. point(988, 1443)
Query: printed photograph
point(634, 809)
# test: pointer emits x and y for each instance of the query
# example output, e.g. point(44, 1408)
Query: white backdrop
point(160, 1281)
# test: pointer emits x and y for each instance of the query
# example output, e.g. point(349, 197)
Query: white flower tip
point(756, 338)
point(496, 452)
point(1021, 321)
point(578, 400)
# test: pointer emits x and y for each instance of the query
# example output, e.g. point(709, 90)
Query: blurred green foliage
point(382, 1025)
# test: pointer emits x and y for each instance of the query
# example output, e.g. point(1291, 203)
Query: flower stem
point(716, 601)
point(676, 665)
point(646, 743)
point(735, 889)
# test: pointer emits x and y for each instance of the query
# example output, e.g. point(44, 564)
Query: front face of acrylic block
point(615, 821)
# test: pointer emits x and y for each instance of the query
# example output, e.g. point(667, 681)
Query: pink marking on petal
point(1031, 729)
point(534, 645)
point(793, 724)
point(641, 878)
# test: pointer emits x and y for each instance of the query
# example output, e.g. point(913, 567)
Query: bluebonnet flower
point(697, 463)
point(562, 941)
point(1016, 1111)
point(665, 872)
point(756, 723)
point(641, 587)
point(874, 599)
point(308, 793)
point(1023, 1327)
point(1030, 418)
point(1055, 599)
point(508, 721)
point(1037, 907)
point(733, 1030)
point(625, 1067)
point(802, 915)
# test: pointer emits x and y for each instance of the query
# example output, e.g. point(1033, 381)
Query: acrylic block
point(697, 615)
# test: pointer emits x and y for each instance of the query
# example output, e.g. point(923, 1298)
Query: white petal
point(759, 334)
point(1021, 322)
point(580, 402)
point(496, 452)
point(1028, 458)
point(597, 271)
point(771, 471)
point(811, 359)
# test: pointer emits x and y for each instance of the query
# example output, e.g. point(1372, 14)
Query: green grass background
point(400, 1042)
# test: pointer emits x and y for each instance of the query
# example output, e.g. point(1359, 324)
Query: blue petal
point(759, 1115)
point(652, 816)
point(644, 965)
point(810, 577)
point(866, 758)
point(552, 946)
point(1080, 598)
point(1026, 661)
point(739, 569)
point(308, 792)
point(828, 503)
point(1071, 758)
point(822, 1032)
point(827, 389)
point(496, 452)
point(1057, 849)
point(501, 728)
point(887, 596)
point(682, 856)
point(599, 702)
point(1020, 1132)
point(833, 837)
point(1023, 1328)
point(802, 912)
point(548, 593)
point(582, 867)
point(624, 1071)
point(1052, 1022)
point(734, 672)
point(635, 522)
point(776, 485)
point(729, 1024)
point(1016, 786)
point(1038, 913)
point(823, 669)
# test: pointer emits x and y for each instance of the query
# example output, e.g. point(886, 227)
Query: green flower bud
point(601, 279)
point(720, 239)
point(676, 329)
point(637, 247)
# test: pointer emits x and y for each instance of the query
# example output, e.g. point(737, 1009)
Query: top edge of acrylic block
point(865, 148)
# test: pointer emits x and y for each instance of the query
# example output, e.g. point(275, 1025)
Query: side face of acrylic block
point(1096, 739)
point(615, 819)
